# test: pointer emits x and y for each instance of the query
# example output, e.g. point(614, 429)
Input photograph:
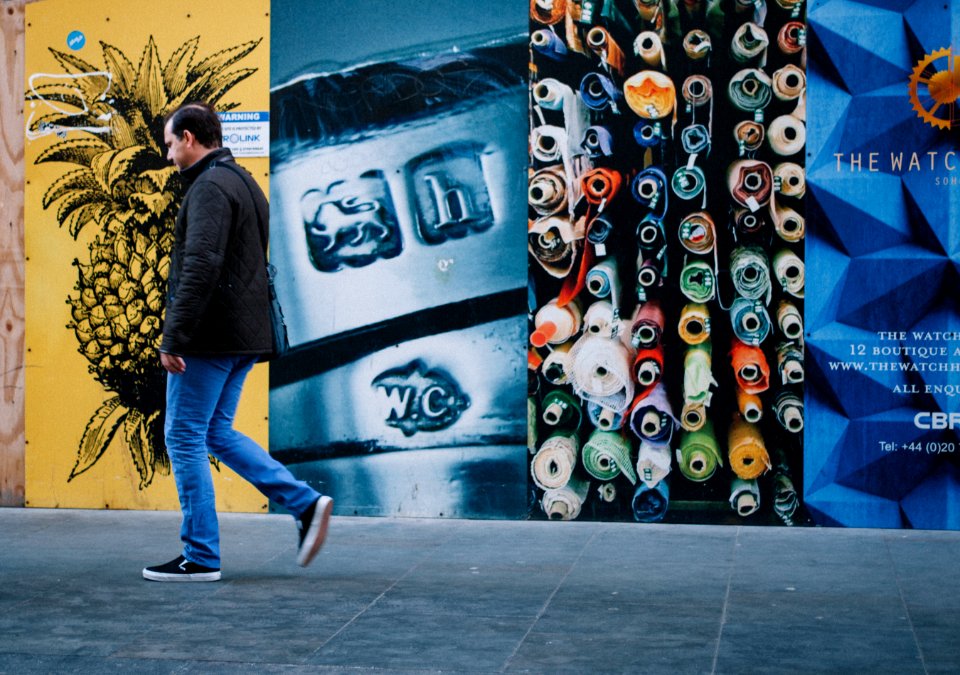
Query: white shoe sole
point(196, 576)
point(317, 532)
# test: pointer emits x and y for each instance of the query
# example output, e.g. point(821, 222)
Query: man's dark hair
point(200, 119)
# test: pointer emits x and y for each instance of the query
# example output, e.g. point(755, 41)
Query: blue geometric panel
point(882, 447)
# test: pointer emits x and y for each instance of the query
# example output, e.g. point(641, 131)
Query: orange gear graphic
point(939, 82)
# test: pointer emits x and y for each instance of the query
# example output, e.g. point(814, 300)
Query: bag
point(281, 343)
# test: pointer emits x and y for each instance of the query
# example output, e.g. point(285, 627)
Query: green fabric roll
point(606, 454)
point(699, 455)
point(562, 410)
point(698, 375)
point(697, 281)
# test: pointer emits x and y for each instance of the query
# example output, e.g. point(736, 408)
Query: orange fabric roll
point(650, 94)
point(548, 12)
point(750, 367)
point(601, 43)
point(748, 455)
point(750, 134)
point(601, 184)
point(750, 406)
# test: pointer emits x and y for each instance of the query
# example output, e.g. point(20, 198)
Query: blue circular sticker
point(76, 40)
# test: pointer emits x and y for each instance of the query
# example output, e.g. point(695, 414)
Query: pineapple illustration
point(110, 124)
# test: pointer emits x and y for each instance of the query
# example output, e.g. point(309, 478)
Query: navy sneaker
point(313, 529)
point(181, 569)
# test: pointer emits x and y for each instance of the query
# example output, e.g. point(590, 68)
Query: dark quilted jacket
point(217, 301)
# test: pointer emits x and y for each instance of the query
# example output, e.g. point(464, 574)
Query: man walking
point(217, 325)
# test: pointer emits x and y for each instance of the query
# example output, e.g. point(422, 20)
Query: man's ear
point(188, 138)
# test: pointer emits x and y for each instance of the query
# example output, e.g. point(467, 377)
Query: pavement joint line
point(546, 603)
point(903, 601)
point(381, 595)
point(726, 600)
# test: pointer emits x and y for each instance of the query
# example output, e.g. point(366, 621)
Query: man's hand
point(172, 363)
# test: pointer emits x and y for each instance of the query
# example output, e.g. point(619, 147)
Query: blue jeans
point(201, 403)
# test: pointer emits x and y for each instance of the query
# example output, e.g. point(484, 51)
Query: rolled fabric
point(786, 135)
point(547, 192)
point(744, 496)
point(552, 94)
point(697, 233)
point(601, 371)
point(653, 463)
point(793, 182)
point(791, 5)
point(651, 237)
point(600, 319)
point(693, 416)
point(749, 42)
point(698, 375)
point(607, 492)
point(650, 504)
point(603, 281)
point(599, 93)
point(651, 417)
point(649, 47)
point(597, 142)
point(648, 9)
point(699, 455)
point(790, 363)
point(606, 455)
point(549, 44)
point(548, 143)
point(555, 324)
point(696, 45)
point(649, 275)
point(750, 368)
point(561, 410)
point(548, 12)
point(695, 139)
point(789, 224)
point(749, 135)
point(697, 91)
point(647, 327)
point(749, 320)
point(647, 134)
point(694, 326)
point(789, 270)
point(789, 38)
point(750, 406)
point(601, 43)
point(688, 182)
point(604, 418)
point(649, 189)
point(750, 272)
point(554, 462)
point(556, 367)
point(785, 500)
point(747, 221)
point(650, 94)
point(599, 231)
point(750, 89)
point(532, 424)
point(789, 82)
point(600, 186)
point(789, 411)
point(565, 503)
point(747, 453)
point(648, 368)
point(697, 281)
point(790, 320)
point(750, 183)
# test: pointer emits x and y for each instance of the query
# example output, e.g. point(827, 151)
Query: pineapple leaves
point(118, 64)
point(178, 67)
point(98, 434)
point(79, 179)
point(138, 442)
point(75, 151)
point(149, 83)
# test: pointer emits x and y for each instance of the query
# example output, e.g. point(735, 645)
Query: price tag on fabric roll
point(752, 204)
point(758, 116)
point(691, 161)
point(601, 249)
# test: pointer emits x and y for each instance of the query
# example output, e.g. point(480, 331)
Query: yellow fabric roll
point(747, 453)
point(750, 406)
point(790, 320)
point(649, 47)
point(793, 180)
point(786, 135)
point(697, 45)
point(789, 224)
point(749, 134)
point(650, 94)
point(694, 327)
point(693, 416)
